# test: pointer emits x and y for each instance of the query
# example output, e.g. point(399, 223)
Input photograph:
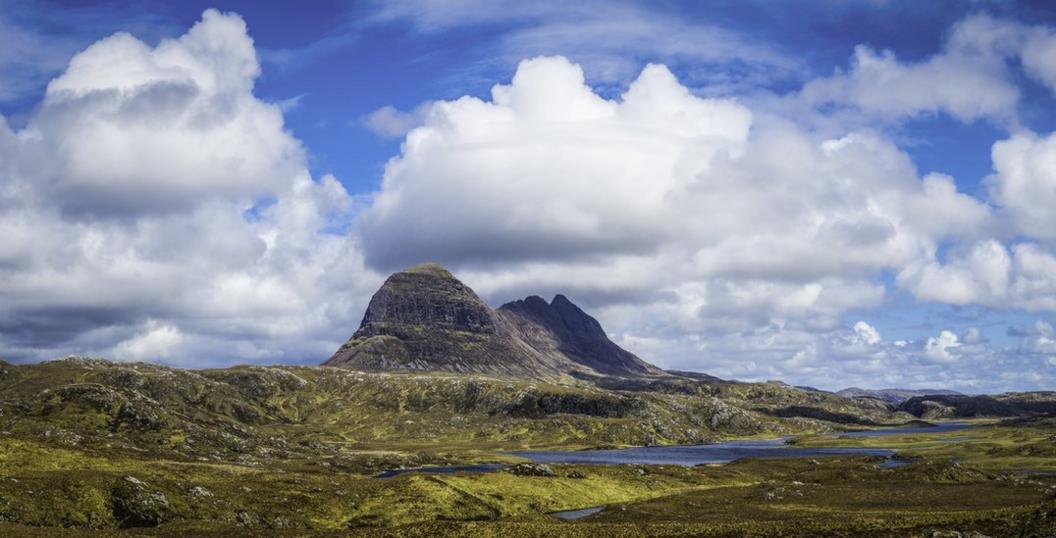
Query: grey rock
point(200, 491)
point(425, 319)
point(532, 469)
point(246, 519)
point(134, 505)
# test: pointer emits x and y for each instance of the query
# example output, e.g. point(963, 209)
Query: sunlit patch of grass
point(988, 445)
point(293, 451)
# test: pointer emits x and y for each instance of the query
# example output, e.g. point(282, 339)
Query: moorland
point(436, 378)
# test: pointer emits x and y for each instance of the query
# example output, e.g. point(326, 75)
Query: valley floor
point(94, 448)
point(992, 480)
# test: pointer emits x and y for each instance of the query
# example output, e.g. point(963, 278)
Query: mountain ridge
point(424, 319)
point(894, 396)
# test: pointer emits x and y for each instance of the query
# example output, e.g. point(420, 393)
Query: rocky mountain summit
point(425, 319)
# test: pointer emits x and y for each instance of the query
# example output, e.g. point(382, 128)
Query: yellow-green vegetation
point(1017, 444)
point(93, 446)
point(255, 414)
point(825, 496)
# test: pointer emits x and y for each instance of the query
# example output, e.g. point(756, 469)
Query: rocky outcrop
point(425, 319)
point(134, 504)
point(531, 469)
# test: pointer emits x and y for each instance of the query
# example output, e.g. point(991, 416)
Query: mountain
point(1010, 404)
point(425, 319)
point(561, 328)
point(894, 396)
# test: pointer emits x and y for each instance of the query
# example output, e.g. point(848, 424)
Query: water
point(893, 463)
point(577, 514)
point(714, 453)
point(938, 428)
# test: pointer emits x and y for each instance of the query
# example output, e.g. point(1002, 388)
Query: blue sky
point(339, 63)
point(870, 97)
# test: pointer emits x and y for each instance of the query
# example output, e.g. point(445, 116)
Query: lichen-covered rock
point(532, 469)
point(200, 491)
point(535, 404)
point(141, 415)
point(135, 504)
point(246, 519)
point(90, 395)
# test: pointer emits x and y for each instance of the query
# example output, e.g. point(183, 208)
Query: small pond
point(571, 515)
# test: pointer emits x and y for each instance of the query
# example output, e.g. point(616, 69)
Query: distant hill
point(694, 375)
point(780, 383)
point(425, 319)
point(1010, 404)
point(894, 396)
point(259, 415)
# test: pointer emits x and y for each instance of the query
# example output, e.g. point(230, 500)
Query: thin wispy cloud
point(612, 41)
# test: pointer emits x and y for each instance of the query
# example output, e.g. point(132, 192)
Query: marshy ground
point(989, 480)
point(94, 448)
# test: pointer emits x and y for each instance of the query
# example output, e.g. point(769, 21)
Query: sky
point(832, 193)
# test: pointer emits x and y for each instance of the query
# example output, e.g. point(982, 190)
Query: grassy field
point(43, 487)
point(990, 445)
point(100, 449)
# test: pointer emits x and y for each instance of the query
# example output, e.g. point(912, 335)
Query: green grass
point(988, 446)
point(60, 488)
point(98, 447)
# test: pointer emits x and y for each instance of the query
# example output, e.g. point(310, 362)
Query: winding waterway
point(930, 429)
point(712, 453)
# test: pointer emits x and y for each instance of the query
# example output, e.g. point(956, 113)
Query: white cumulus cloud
point(941, 348)
point(154, 208)
point(1024, 182)
point(744, 219)
point(867, 333)
point(704, 233)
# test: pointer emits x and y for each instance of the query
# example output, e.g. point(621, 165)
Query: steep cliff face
point(426, 298)
point(425, 319)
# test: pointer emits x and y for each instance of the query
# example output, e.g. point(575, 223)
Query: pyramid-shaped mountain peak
point(425, 319)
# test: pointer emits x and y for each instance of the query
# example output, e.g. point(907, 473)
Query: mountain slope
point(425, 319)
point(256, 414)
point(564, 328)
